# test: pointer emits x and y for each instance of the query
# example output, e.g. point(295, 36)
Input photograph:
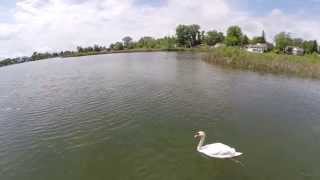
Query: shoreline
point(307, 66)
point(134, 51)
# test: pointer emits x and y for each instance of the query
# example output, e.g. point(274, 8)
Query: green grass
point(304, 66)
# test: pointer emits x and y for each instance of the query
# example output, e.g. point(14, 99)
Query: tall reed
point(305, 66)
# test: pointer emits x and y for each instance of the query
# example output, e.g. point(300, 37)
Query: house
point(294, 50)
point(257, 48)
point(218, 45)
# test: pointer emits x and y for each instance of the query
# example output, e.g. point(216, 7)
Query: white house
point(294, 50)
point(257, 48)
point(218, 45)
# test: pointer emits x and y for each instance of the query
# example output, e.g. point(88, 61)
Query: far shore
point(78, 54)
point(302, 66)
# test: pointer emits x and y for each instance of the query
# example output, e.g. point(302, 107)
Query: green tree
point(80, 49)
point(118, 46)
point(97, 48)
point(282, 40)
point(126, 41)
point(297, 42)
point(263, 37)
point(213, 37)
point(245, 40)
point(183, 37)
point(188, 35)
point(35, 56)
point(259, 39)
point(310, 46)
point(147, 42)
point(167, 42)
point(195, 34)
point(315, 46)
point(234, 36)
point(203, 37)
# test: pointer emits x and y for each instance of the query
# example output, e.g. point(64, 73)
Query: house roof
point(259, 45)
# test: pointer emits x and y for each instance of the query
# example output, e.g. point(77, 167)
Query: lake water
point(133, 117)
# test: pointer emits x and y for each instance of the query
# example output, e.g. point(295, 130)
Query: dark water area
point(133, 117)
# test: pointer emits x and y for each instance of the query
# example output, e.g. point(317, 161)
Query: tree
point(35, 56)
point(297, 42)
point(97, 48)
point(183, 37)
point(195, 34)
point(126, 41)
point(310, 46)
point(188, 35)
point(118, 46)
point(263, 37)
point(282, 40)
point(234, 36)
point(79, 49)
point(245, 40)
point(214, 37)
point(203, 36)
point(315, 46)
point(167, 42)
point(147, 42)
point(259, 39)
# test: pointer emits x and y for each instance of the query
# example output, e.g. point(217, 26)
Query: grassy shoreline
point(301, 66)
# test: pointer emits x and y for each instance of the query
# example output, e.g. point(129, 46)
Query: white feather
point(215, 150)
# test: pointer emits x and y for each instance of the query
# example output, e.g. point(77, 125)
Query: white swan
point(215, 150)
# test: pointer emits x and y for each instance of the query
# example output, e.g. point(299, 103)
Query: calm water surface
point(133, 117)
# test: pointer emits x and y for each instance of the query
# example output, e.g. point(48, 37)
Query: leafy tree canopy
point(234, 36)
point(213, 37)
point(282, 40)
point(126, 41)
point(188, 35)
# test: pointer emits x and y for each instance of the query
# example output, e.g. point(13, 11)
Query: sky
point(54, 25)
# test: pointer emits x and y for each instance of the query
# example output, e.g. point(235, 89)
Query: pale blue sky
point(6, 13)
point(260, 7)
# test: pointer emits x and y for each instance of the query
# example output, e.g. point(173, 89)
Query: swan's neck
point(201, 142)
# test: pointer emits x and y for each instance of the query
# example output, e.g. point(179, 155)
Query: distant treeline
point(146, 42)
point(35, 57)
point(190, 36)
point(186, 36)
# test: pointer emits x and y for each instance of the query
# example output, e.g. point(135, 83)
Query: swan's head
point(200, 134)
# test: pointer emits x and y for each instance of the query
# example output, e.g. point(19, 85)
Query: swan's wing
point(218, 150)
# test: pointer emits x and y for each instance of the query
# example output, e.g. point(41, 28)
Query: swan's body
point(215, 150)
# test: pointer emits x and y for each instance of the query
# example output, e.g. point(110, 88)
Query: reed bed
point(303, 66)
